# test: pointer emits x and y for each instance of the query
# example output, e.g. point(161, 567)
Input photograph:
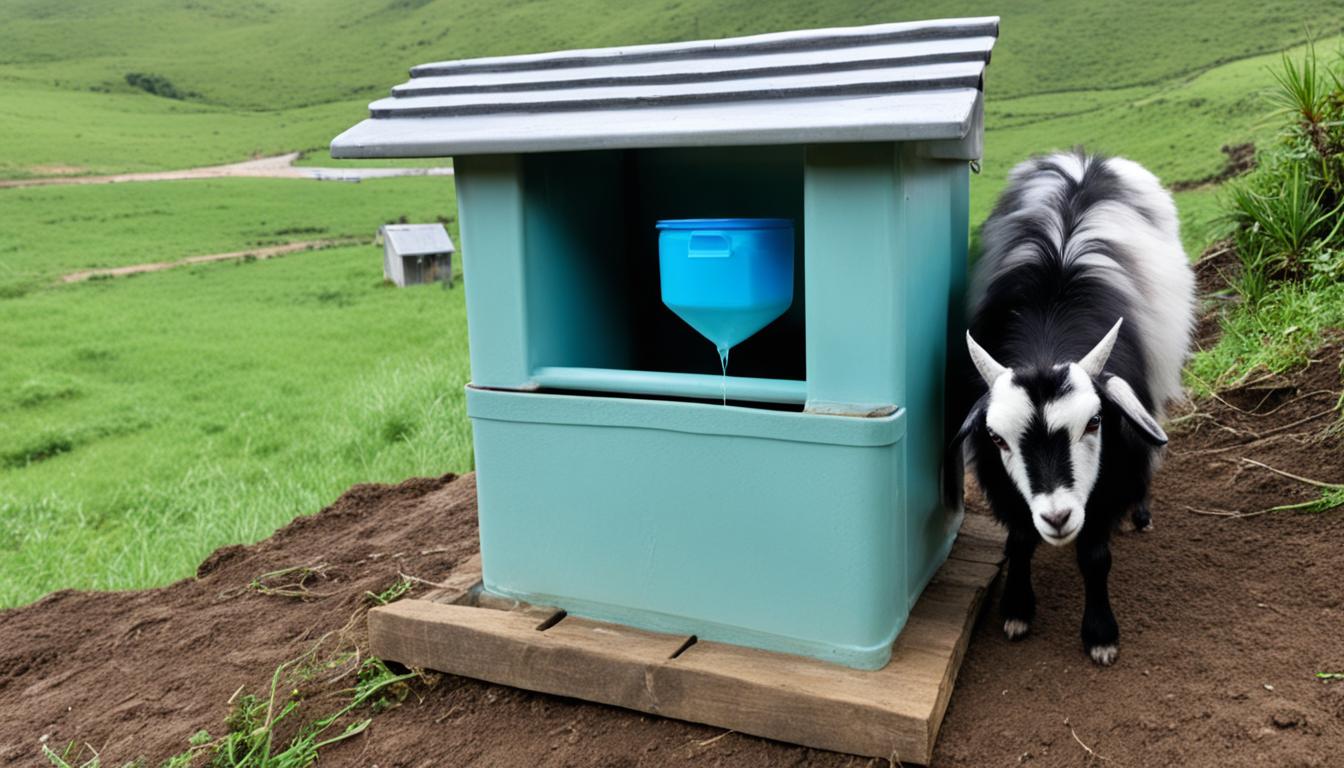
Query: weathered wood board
point(892, 713)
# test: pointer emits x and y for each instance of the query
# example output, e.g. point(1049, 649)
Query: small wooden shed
point(416, 253)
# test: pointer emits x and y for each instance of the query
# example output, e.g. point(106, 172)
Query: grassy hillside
point(50, 231)
point(145, 421)
point(59, 130)
point(264, 55)
point(150, 420)
point(266, 76)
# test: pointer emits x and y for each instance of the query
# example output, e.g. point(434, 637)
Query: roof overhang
point(918, 81)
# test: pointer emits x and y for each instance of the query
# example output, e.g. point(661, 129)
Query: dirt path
point(158, 266)
point(277, 167)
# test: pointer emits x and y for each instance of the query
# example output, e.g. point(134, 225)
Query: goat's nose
point(1058, 518)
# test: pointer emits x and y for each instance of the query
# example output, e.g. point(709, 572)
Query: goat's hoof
point(1103, 655)
point(1015, 629)
point(1142, 518)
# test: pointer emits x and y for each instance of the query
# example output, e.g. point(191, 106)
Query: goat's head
point(1046, 426)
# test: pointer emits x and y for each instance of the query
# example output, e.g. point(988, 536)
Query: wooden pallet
point(890, 713)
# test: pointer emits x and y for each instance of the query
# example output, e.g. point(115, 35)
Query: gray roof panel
point(887, 82)
point(860, 82)
point(805, 39)
point(705, 68)
point(417, 239)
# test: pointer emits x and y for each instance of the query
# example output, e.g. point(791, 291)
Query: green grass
point(1279, 333)
point(1287, 232)
point(1175, 128)
point(51, 131)
point(145, 421)
point(300, 700)
point(272, 77)
point(303, 52)
point(153, 419)
point(1202, 219)
point(49, 231)
point(251, 738)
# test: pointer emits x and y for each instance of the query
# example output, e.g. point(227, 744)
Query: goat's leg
point(1141, 516)
point(1018, 605)
point(1101, 635)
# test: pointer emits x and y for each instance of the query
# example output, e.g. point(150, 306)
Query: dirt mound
point(134, 674)
point(1226, 619)
point(1240, 160)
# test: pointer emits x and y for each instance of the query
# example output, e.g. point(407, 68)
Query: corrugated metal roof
point(417, 239)
point(886, 82)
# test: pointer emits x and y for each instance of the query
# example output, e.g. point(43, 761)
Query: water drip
point(723, 364)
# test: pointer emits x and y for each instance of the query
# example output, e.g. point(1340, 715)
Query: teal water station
point(711, 288)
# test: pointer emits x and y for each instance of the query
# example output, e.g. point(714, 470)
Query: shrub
point(1289, 213)
point(157, 85)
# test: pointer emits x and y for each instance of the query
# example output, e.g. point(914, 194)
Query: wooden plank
point(966, 572)
point(982, 527)
point(965, 601)
point(506, 647)
point(798, 700)
point(893, 713)
point(979, 552)
point(980, 540)
point(460, 580)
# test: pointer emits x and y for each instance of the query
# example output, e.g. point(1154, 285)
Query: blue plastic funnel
point(727, 278)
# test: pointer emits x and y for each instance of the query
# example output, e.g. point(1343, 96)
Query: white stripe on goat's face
point(1047, 427)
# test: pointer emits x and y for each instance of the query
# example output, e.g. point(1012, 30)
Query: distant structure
point(416, 253)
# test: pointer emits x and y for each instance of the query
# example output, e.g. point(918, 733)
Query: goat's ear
point(953, 464)
point(1123, 397)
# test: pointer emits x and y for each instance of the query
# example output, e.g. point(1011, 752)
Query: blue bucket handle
point(709, 244)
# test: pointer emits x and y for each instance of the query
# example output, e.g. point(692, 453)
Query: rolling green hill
point(262, 76)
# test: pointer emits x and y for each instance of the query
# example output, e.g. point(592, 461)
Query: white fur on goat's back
point(1160, 286)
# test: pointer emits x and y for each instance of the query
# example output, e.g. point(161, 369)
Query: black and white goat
point(1083, 307)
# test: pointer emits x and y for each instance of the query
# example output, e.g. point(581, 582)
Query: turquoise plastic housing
point(727, 278)
point(762, 528)
point(805, 516)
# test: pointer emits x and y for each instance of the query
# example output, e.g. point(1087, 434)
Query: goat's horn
point(989, 368)
point(1093, 362)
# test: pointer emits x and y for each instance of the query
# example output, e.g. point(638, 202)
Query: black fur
point(1034, 317)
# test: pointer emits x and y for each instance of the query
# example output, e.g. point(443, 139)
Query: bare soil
point(275, 167)
point(1240, 160)
point(267, 252)
point(1226, 617)
point(260, 253)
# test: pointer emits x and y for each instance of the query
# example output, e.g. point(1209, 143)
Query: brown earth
point(1226, 614)
point(267, 252)
point(275, 167)
point(1240, 160)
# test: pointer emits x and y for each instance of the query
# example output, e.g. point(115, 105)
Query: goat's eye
point(997, 440)
point(1093, 424)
